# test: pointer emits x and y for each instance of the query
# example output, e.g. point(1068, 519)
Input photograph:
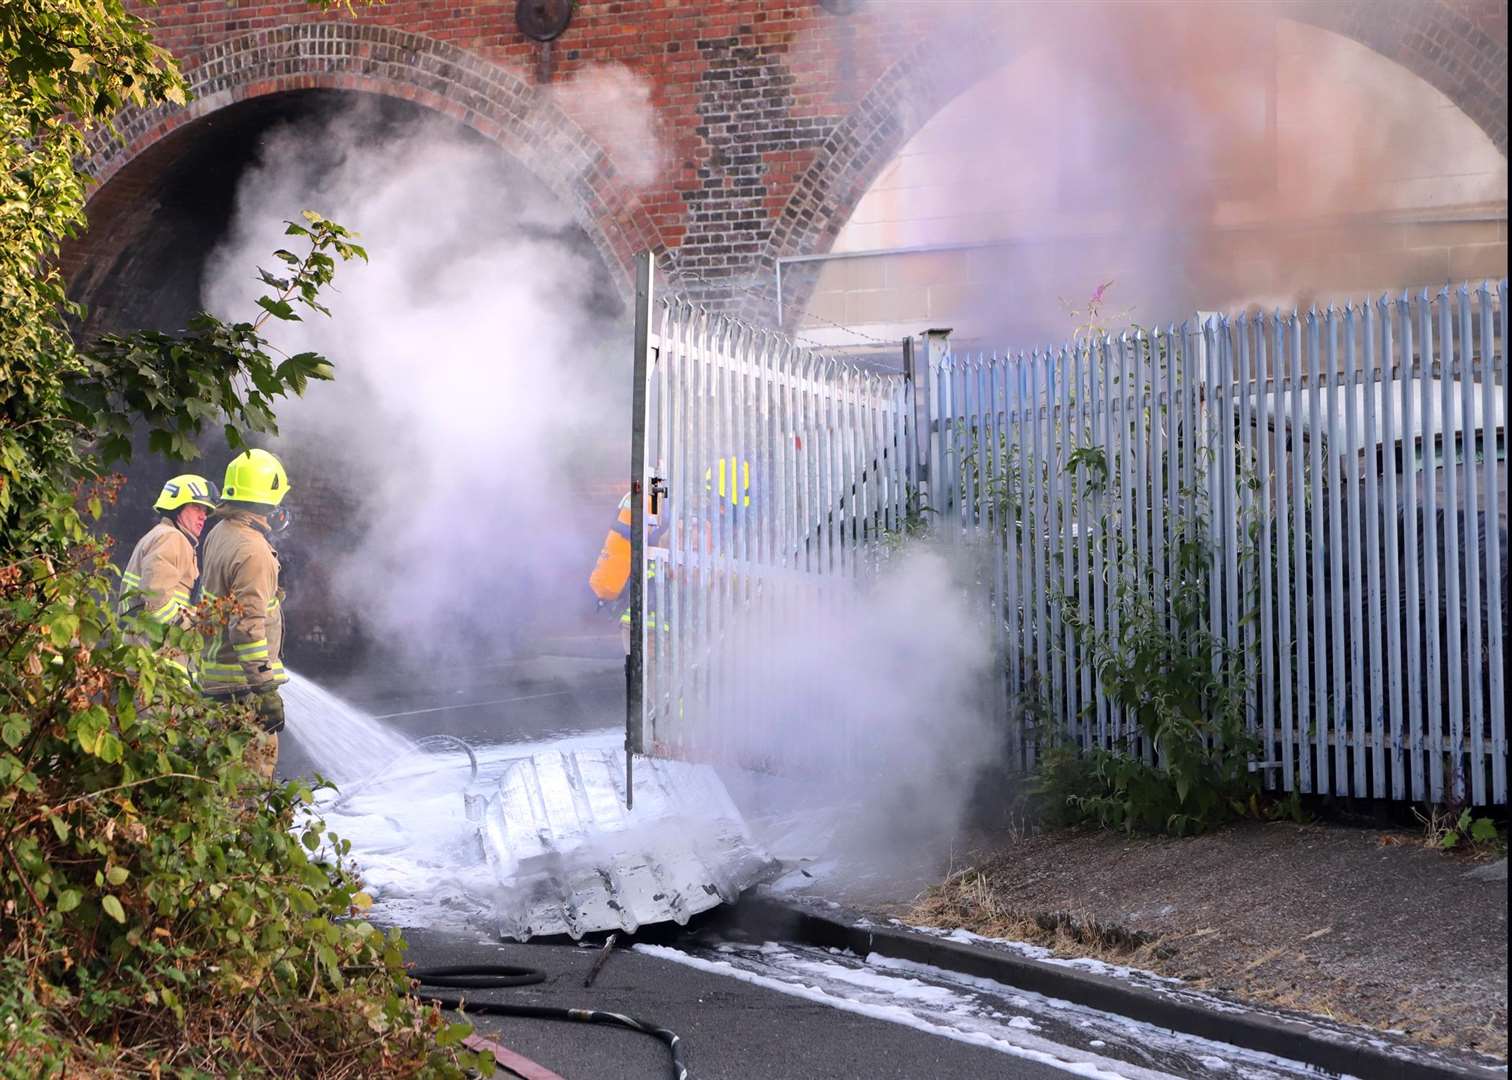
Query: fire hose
point(500, 976)
point(503, 976)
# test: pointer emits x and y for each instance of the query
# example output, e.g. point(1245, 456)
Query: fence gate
point(763, 479)
point(1314, 505)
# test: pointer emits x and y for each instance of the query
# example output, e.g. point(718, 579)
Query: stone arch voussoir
point(495, 102)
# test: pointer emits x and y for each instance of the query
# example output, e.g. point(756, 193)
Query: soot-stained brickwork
point(752, 144)
point(776, 116)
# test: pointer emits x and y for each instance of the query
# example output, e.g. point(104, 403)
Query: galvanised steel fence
point(1339, 476)
point(1329, 486)
point(767, 476)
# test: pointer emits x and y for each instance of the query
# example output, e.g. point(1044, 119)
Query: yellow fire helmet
point(730, 468)
point(255, 476)
point(185, 489)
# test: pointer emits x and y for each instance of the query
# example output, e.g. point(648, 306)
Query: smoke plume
point(872, 708)
point(452, 487)
point(1201, 156)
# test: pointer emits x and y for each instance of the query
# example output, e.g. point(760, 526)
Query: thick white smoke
point(875, 710)
point(905, 667)
point(475, 444)
point(477, 426)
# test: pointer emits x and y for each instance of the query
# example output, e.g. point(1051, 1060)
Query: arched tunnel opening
point(450, 489)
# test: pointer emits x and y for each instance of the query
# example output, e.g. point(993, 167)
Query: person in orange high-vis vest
point(612, 571)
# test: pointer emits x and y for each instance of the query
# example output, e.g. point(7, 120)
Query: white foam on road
point(1250, 1064)
point(1178, 989)
point(905, 992)
point(985, 1012)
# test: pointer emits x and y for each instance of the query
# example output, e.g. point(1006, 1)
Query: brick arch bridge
point(368, 59)
point(778, 115)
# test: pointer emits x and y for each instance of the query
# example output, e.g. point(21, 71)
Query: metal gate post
point(932, 442)
point(635, 661)
point(913, 426)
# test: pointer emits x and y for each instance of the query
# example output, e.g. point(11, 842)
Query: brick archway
point(1457, 46)
point(442, 77)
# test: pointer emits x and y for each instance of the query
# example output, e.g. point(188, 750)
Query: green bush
point(1191, 717)
point(159, 904)
point(162, 912)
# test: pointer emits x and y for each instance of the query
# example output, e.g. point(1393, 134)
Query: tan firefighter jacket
point(241, 565)
point(160, 575)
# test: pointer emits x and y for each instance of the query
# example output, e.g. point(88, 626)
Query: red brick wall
point(777, 115)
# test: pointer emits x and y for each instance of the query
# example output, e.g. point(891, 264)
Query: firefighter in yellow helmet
point(245, 662)
point(159, 577)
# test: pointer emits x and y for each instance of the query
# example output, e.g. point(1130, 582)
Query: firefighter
point(159, 577)
point(245, 663)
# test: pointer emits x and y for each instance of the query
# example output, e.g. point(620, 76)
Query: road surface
point(744, 1009)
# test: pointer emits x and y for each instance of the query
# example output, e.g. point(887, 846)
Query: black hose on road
point(499, 976)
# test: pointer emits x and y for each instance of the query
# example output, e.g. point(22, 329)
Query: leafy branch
point(179, 383)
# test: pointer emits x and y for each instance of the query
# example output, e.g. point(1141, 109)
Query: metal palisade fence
point(1314, 502)
point(1313, 505)
point(771, 474)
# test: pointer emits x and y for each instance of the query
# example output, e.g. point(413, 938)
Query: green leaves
point(14, 729)
point(213, 373)
point(1483, 831)
point(1467, 831)
point(1184, 688)
point(453, 1034)
point(65, 67)
point(279, 309)
point(121, 789)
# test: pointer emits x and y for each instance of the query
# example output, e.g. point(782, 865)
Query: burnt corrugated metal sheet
point(571, 859)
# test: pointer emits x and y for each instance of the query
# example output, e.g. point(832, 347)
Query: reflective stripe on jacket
point(157, 583)
point(160, 574)
point(241, 565)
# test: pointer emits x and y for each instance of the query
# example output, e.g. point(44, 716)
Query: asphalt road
point(732, 1030)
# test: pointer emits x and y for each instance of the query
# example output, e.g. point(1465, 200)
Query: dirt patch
point(1361, 926)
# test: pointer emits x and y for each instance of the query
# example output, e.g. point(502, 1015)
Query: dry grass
point(1269, 974)
point(969, 900)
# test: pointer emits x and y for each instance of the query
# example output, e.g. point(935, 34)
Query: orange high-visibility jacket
point(241, 564)
point(612, 571)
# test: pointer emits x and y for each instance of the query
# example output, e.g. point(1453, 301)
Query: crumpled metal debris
point(571, 859)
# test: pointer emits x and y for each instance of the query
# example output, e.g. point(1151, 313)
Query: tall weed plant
point(1180, 762)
